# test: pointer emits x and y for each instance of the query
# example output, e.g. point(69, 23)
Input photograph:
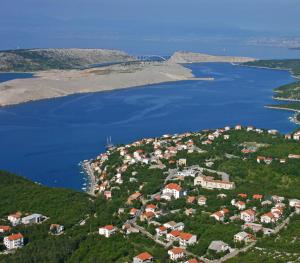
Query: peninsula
point(62, 72)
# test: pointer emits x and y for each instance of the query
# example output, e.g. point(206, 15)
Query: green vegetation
point(82, 243)
point(289, 91)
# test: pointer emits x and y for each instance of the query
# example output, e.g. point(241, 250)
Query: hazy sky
point(143, 26)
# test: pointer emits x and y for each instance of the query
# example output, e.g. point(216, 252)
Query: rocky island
point(57, 72)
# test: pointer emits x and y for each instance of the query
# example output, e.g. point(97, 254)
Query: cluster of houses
point(16, 240)
point(164, 150)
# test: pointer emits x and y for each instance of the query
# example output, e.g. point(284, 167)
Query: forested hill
point(292, 65)
point(45, 59)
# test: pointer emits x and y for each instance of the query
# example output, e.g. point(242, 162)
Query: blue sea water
point(45, 140)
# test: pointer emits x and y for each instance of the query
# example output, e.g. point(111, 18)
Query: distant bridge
point(153, 58)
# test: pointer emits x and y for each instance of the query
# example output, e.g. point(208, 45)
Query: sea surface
point(45, 140)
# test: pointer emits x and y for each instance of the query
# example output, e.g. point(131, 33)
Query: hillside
point(44, 59)
point(190, 57)
point(262, 166)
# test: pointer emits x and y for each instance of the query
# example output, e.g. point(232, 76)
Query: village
point(172, 187)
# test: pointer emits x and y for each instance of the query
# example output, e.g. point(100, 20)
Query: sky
point(146, 26)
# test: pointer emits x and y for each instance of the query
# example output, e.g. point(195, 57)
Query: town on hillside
point(200, 196)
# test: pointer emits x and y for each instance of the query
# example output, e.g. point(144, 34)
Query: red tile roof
point(144, 256)
point(15, 237)
point(177, 250)
point(185, 236)
point(5, 228)
point(109, 227)
point(174, 186)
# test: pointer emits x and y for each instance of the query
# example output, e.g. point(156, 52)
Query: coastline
point(293, 119)
point(86, 166)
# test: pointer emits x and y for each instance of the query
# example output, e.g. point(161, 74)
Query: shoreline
point(86, 167)
point(293, 119)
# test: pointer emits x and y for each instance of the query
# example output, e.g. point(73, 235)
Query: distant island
point(29, 60)
point(57, 72)
point(289, 92)
point(229, 194)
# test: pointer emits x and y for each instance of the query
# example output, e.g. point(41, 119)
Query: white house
point(218, 246)
point(176, 253)
point(32, 219)
point(174, 189)
point(172, 225)
point(268, 218)
point(202, 200)
point(240, 205)
point(209, 182)
point(107, 230)
point(174, 235)
point(161, 231)
point(186, 239)
point(248, 215)
point(243, 237)
point(14, 241)
point(15, 218)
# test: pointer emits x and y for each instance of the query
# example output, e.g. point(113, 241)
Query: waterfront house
point(144, 257)
point(248, 215)
point(107, 230)
point(14, 241)
point(176, 253)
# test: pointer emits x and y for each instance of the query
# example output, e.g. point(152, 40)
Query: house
point(243, 195)
point(202, 200)
point(238, 127)
point(161, 231)
point(133, 197)
point(56, 229)
point(174, 190)
point(174, 226)
point(268, 218)
point(107, 230)
point(293, 202)
point(257, 197)
point(218, 246)
point(4, 229)
point(208, 182)
point(186, 239)
point(296, 136)
point(248, 215)
point(243, 237)
point(14, 241)
point(181, 162)
point(190, 199)
point(176, 253)
point(226, 137)
point(144, 257)
point(240, 205)
point(107, 195)
point(128, 228)
point(147, 216)
point(174, 235)
point(133, 212)
point(15, 218)
point(219, 215)
point(32, 219)
point(150, 208)
point(254, 227)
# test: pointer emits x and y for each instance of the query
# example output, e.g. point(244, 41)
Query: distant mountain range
point(45, 59)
